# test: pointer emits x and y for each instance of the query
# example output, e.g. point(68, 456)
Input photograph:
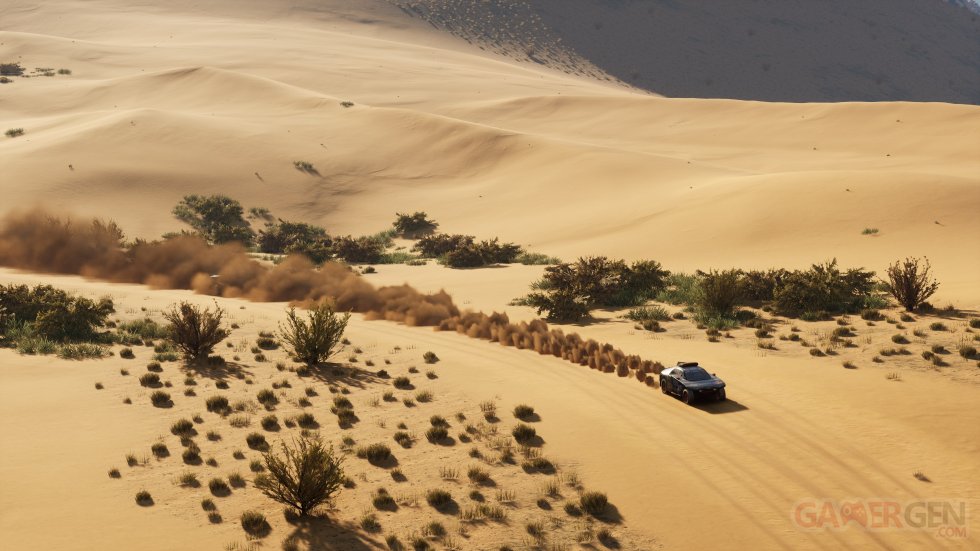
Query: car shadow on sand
point(715, 408)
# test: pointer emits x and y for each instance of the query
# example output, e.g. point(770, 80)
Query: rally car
point(690, 381)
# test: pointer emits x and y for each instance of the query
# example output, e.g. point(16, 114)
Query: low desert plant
point(523, 433)
point(305, 476)
point(256, 441)
point(438, 498)
point(14, 132)
point(143, 498)
point(375, 453)
point(436, 434)
point(313, 341)
point(160, 399)
point(195, 330)
point(594, 503)
point(910, 283)
point(524, 412)
point(254, 522)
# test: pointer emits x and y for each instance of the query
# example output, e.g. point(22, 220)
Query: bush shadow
point(319, 532)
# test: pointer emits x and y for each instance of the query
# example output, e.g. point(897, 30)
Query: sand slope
point(794, 428)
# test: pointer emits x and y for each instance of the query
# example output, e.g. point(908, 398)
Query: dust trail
point(42, 242)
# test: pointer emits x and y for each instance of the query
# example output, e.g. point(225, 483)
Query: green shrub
point(824, 287)
point(364, 249)
point(195, 330)
point(313, 341)
point(304, 477)
point(413, 226)
point(49, 313)
point(536, 259)
point(648, 313)
point(217, 218)
point(716, 294)
point(296, 238)
point(439, 245)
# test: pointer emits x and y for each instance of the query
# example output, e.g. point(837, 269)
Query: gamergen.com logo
point(944, 518)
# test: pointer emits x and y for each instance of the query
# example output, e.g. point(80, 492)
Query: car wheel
point(663, 387)
point(721, 395)
point(688, 396)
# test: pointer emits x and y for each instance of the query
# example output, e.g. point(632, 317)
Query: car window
point(696, 374)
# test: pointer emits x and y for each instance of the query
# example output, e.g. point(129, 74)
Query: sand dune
point(775, 50)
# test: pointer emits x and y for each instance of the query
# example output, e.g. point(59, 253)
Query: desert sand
point(547, 148)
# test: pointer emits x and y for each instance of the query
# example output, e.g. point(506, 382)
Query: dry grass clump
point(143, 498)
point(160, 399)
point(149, 380)
point(439, 499)
point(594, 503)
point(256, 441)
point(217, 404)
point(437, 434)
point(524, 412)
point(402, 383)
point(524, 433)
point(383, 501)
point(376, 454)
point(254, 522)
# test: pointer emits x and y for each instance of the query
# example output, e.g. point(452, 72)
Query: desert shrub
point(313, 341)
point(160, 399)
point(267, 397)
point(218, 487)
point(218, 219)
point(375, 453)
point(81, 351)
point(383, 501)
point(254, 522)
point(182, 427)
point(402, 382)
point(975, 323)
point(523, 433)
point(364, 249)
point(759, 286)
point(899, 339)
point(439, 245)
point(438, 498)
point(910, 283)
point(269, 422)
point(413, 226)
point(524, 412)
point(217, 404)
point(11, 69)
point(49, 313)
point(536, 259)
point(256, 441)
point(937, 326)
point(824, 287)
point(430, 357)
point(436, 434)
point(648, 313)
point(305, 476)
point(296, 237)
point(195, 330)
point(967, 351)
point(569, 291)
point(594, 503)
point(14, 132)
point(144, 329)
point(716, 294)
point(143, 498)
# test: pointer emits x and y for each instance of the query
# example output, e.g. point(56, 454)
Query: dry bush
point(910, 283)
point(304, 477)
point(195, 330)
point(313, 341)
